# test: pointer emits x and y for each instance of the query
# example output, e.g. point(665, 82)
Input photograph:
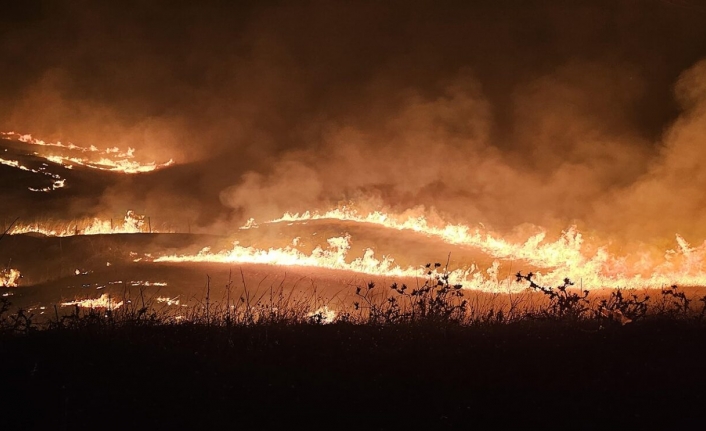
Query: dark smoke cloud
point(500, 112)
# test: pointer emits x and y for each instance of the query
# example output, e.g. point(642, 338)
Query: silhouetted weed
point(623, 309)
point(564, 303)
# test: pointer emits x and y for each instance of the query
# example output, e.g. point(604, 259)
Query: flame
point(104, 301)
point(131, 223)
point(591, 266)
point(334, 257)
point(566, 250)
point(323, 315)
point(147, 283)
point(57, 181)
point(9, 277)
point(568, 256)
point(168, 301)
point(110, 159)
point(105, 164)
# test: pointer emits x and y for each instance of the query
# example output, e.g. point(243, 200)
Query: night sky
point(499, 112)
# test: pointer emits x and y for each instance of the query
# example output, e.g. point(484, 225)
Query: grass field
point(563, 363)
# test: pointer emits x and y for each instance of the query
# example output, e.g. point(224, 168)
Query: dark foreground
point(343, 376)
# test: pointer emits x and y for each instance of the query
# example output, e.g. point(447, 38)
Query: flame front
point(565, 257)
point(333, 257)
point(131, 223)
point(104, 301)
point(110, 159)
point(57, 181)
point(568, 256)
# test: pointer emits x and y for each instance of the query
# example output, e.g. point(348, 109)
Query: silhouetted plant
point(22, 322)
point(563, 303)
point(624, 310)
point(378, 313)
point(703, 307)
point(437, 300)
point(19, 322)
point(4, 307)
point(675, 303)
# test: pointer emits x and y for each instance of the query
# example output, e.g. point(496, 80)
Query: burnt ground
point(528, 374)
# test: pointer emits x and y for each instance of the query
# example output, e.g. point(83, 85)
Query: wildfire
point(568, 256)
point(57, 181)
point(168, 301)
point(564, 251)
point(131, 223)
point(9, 277)
point(333, 257)
point(147, 283)
point(104, 301)
point(105, 164)
point(110, 159)
point(323, 315)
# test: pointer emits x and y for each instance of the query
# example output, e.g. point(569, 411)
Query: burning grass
point(130, 223)
point(68, 155)
point(437, 302)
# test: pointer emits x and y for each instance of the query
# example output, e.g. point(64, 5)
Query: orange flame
point(57, 182)
point(104, 301)
point(564, 257)
point(323, 315)
point(9, 277)
point(568, 256)
point(169, 301)
point(334, 257)
point(132, 223)
point(111, 159)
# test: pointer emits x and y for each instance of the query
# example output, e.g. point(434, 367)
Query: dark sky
point(501, 112)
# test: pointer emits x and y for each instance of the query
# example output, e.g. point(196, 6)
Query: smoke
point(588, 113)
point(668, 198)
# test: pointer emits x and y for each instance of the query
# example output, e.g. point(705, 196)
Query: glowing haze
point(511, 117)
